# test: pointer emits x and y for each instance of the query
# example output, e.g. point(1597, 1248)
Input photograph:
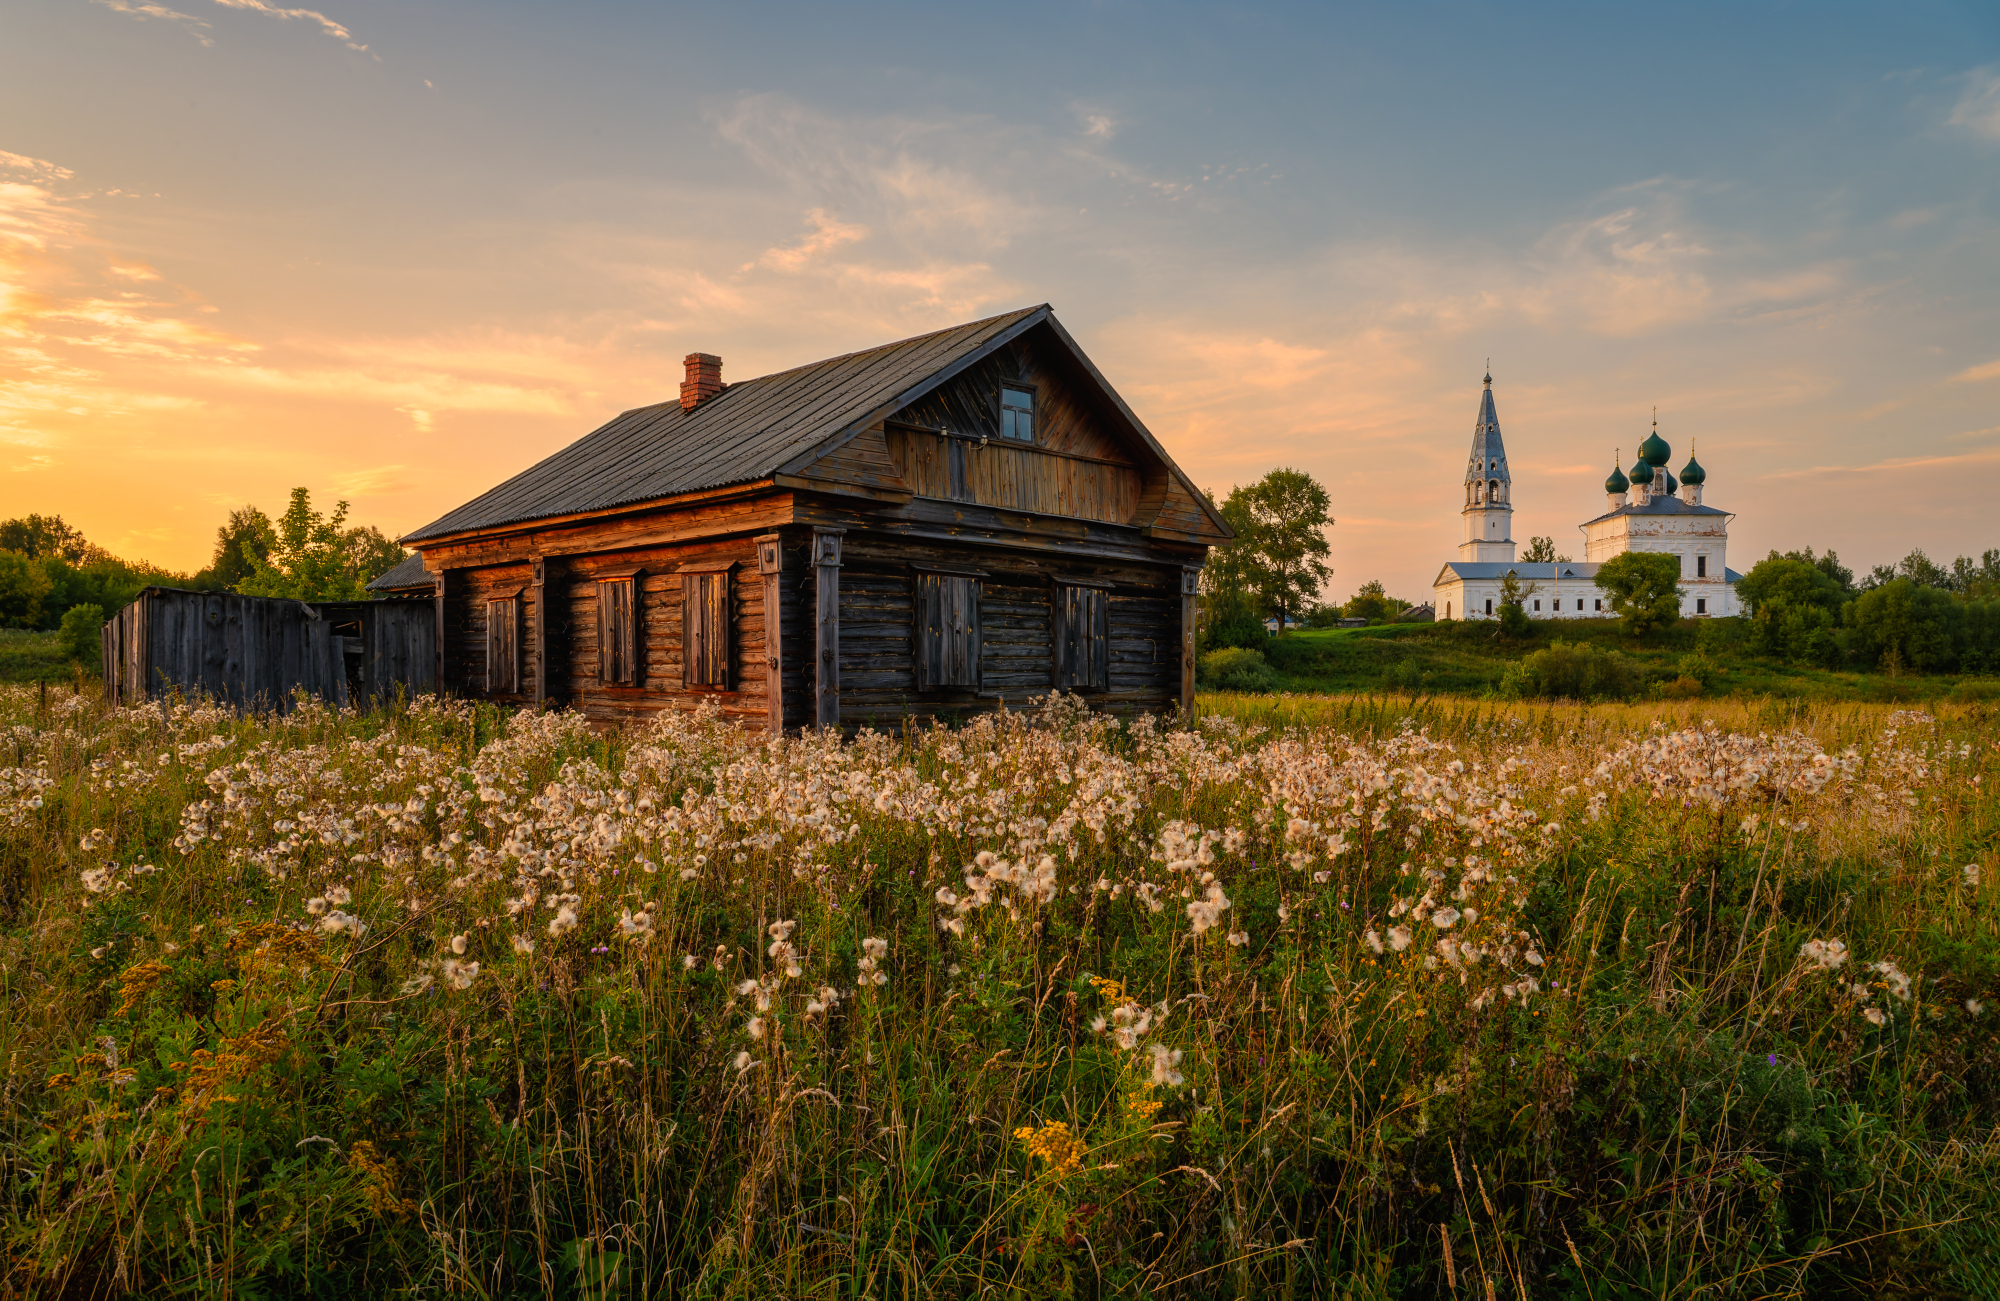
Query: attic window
point(1017, 414)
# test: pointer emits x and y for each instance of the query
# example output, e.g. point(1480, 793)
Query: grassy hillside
point(1468, 659)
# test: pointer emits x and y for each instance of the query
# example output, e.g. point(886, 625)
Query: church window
point(1538, 607)
point(1489, 605)
point(1447, 609)
point(1600, 606)
point(1701, 566)
point(1701, 605)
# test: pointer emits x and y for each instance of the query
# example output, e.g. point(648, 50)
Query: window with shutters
point(618, 630)
point(705, 628)
point(1082, 636)
point(947, 632)
point(503, 646)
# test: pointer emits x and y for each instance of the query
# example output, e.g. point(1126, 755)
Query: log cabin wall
point(878, 683)
point(571, 586)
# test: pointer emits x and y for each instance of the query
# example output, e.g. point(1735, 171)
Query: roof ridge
point(1014, 315)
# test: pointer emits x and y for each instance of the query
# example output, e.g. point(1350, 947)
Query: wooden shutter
point(705, 624)
point(948, 635)
point(503, 646)
point(1082, 637)
point(617, 630)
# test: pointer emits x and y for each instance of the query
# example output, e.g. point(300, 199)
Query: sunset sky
point(395, 252)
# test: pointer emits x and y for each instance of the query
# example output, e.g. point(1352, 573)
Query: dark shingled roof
point(408, 573)
point(747, 433)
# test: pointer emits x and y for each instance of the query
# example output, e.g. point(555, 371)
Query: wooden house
point(940, 526)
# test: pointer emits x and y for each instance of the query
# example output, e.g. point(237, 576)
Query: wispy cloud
point(1978, 107)
point(326, 25)
point(143, 10)
point(199, 28)
point(826, 234)
point(1973, 374)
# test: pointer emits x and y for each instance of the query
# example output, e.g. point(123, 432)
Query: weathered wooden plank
point(826, 566)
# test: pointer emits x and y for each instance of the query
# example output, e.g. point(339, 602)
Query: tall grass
point(1367, 997)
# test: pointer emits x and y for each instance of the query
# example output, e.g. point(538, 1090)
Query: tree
point(1906, 623)
point(1228, 607)
point(1281, 545)
point(372, 553)
point(1644, 587)
point(308, 556)
point(23, 586)
point(1542, 551)
point(1371, 603)
point(1514, 596)
point(41, 536)
point(246, 533)
point(1794, 607)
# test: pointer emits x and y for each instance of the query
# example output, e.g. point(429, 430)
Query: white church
point(1648, 511)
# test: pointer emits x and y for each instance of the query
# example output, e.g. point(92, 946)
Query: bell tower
point(1489, 490)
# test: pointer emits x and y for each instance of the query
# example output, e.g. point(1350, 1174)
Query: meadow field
point(1363, 997)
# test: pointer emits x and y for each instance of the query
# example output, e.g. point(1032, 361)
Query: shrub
point(1570, 671)
point(1682, 688)
point(1234, 668)
point(82, 627)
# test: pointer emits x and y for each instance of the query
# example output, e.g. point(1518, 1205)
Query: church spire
point(1489, 487)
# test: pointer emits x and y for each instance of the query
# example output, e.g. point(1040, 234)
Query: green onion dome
point(1655, 449)
point(1617, 482)
point(1642, 472)
point(1692, 471)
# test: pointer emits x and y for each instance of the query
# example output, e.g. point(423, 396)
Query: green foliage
point(1905, 624)
point(1795, 609)
point(309, 555)
point(108, 583)
point(1235, 669)
point(1542, 551)
point(1278, 557)
point(1565, 670)
point(1644, 589)
point(24, 586)
point(242, 542)
point(79, 635)
point(1372, 603)
point(46, 536)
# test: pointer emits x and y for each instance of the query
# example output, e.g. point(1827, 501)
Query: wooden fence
point(257, 652)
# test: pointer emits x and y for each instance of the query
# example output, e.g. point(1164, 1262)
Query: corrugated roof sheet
point(743, 435)
point(408, 573)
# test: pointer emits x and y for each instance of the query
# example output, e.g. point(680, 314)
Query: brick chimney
point(704, 379)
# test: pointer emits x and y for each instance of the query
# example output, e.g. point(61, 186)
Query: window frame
point(1701, 566)
point(943, 658)
point(1002, 407)
point(707, 625)
point(503, 651)
point(1080, 656)
point(629, 642)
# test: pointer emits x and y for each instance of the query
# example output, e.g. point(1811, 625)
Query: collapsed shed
point(255, 652)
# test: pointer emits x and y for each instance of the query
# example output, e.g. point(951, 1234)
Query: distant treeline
point(48, 568)
point(1916, 616)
